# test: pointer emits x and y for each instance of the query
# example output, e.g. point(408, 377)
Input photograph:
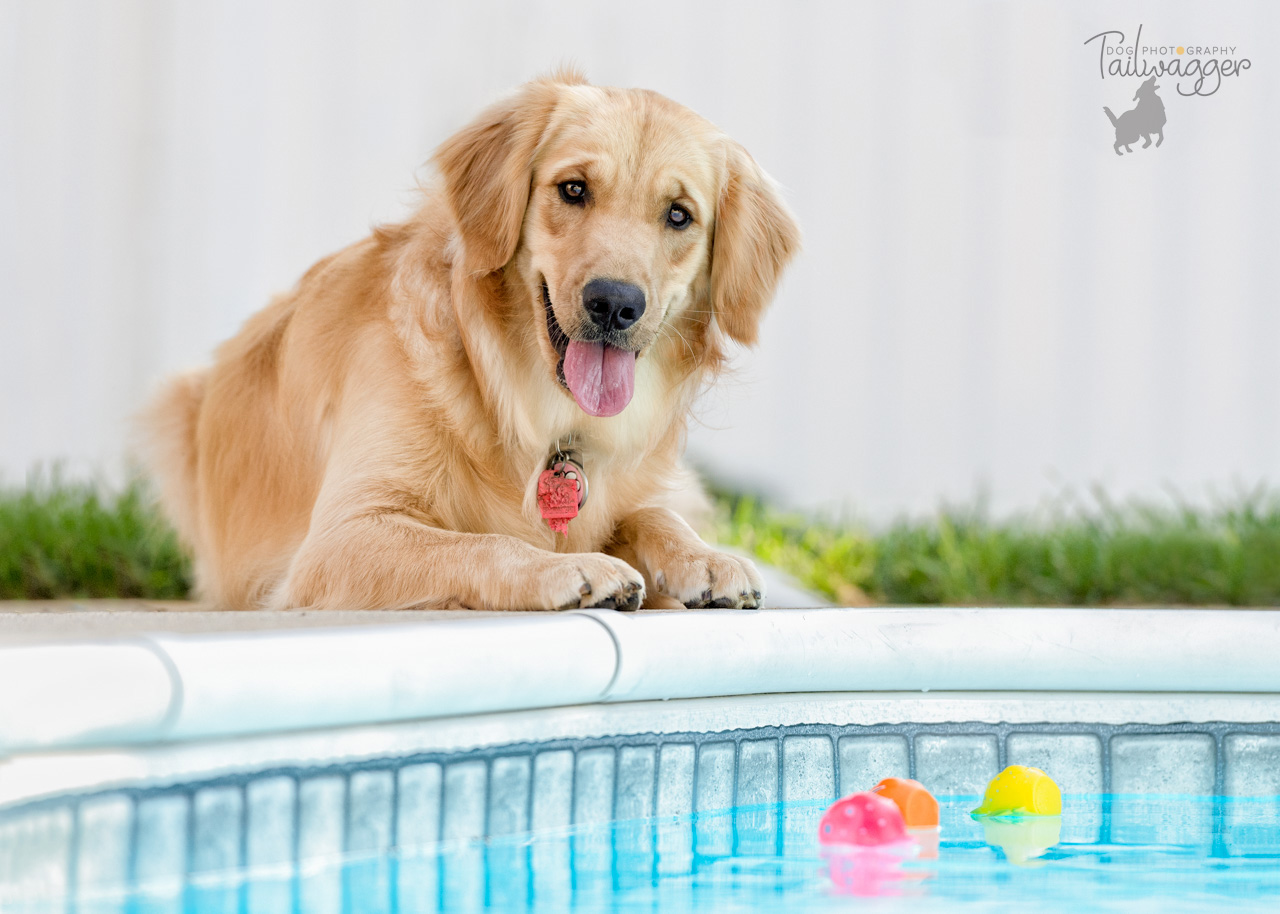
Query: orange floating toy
point(919, 808)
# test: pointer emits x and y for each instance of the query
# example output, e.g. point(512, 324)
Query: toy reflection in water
point(1023, 838)
point(871, 871)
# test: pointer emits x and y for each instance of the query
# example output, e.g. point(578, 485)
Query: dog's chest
point(511, 508)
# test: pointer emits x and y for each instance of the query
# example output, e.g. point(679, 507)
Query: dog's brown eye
point(678, 216)
point(574, 192)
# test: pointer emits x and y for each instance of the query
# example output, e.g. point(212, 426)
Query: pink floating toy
point(864, 843)
point(863, 820)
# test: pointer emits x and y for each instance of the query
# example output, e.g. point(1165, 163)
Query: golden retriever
point(376, 438)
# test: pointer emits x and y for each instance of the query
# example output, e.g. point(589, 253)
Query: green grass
point(1113, 555)
point(78, 540)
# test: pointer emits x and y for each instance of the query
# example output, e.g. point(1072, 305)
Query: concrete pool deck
point(61, 620)
point(26, 621)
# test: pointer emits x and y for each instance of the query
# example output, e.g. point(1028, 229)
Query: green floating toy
point(1021, 791)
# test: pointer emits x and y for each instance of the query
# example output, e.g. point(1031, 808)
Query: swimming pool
point(764, 858)
point(666, 761)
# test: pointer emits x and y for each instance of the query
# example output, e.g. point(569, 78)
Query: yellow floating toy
point(1021, 791)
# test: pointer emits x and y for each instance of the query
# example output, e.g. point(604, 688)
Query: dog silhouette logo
point(1142, 120)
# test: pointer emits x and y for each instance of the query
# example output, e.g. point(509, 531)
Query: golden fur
point(373, 438)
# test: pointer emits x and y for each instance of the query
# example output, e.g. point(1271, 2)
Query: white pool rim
point(164, 687)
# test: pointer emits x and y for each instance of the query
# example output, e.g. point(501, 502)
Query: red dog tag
point(560, 494)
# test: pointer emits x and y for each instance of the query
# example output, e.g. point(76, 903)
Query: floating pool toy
point(864, 842)
point(863, 820)
point(1023, 840)
point(1021, 791)
point(918, 807)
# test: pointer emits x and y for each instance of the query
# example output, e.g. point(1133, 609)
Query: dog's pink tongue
point(601, 377)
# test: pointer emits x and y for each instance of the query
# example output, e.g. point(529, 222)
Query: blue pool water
point(1131, 853)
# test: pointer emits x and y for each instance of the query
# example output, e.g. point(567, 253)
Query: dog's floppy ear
point(487, 168)
point(755, 236)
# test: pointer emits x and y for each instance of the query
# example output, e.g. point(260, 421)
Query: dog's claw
point(701, 603)
point(626, 602)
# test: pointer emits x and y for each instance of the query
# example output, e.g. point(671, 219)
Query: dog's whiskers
point(683, 338)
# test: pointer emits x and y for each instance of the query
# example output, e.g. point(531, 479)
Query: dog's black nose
point(613, 305)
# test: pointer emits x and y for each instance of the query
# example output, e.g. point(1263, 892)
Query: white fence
point(989, 297)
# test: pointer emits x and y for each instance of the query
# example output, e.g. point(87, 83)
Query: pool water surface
point(1113, 852)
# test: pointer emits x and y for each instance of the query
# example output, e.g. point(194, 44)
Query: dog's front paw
point(712, 579)
point(594, 581)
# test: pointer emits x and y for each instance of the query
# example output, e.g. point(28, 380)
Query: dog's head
point(619, 213)
point(1147, 88)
